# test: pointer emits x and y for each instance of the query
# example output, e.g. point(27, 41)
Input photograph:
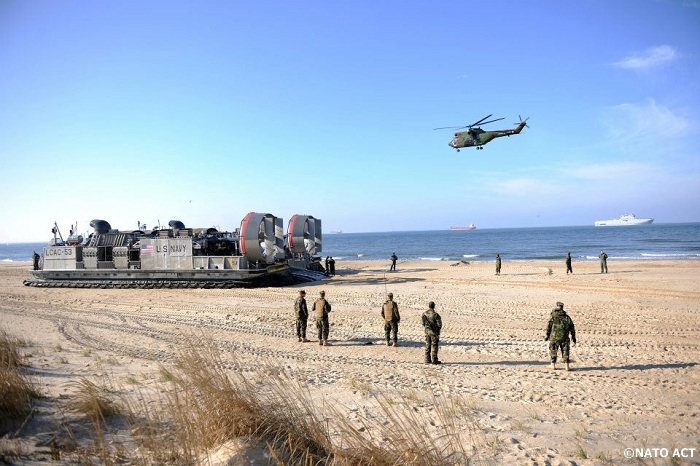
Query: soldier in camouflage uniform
point(321, 310)
point(603, 262)
point(558, 330)
point(390, 313)
point(432, 324)
point(498, 264)
point(302, 313)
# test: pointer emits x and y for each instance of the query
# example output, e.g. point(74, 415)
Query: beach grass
point(202, 404)
point(17, 390)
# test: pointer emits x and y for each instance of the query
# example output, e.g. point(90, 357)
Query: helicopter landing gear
point(457, 150)
point(479, 147)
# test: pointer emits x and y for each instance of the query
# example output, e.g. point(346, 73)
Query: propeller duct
point(262, 238)
point(304, 234)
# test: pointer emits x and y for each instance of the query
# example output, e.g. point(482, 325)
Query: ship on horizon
point(625, 219)
point(471, 226)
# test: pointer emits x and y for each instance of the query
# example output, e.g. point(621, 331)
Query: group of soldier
point(559, 328)
point(602, 256)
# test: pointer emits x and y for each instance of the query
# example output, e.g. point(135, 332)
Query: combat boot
point(325, 343)
point(567, 367)
point(300, 339)
point(304, 340)
point(388, 343)
point(553, 366)
point(396, 343)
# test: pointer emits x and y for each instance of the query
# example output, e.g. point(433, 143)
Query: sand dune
point(634, 384)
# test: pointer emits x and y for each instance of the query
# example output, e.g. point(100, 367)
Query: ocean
point(671, 241)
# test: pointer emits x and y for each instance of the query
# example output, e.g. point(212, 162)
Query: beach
point(633, 384)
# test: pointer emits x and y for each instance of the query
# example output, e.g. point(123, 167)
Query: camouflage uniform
point(558, 330)
point(498, 264)
point(568, 263)
point(390, 313)
point(432, 324)
point(302, 313)
point(603, 262)
point(393, 262)
point(321, 310)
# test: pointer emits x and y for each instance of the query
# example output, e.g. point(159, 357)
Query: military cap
point(323, 293)
point(391, 295)
point(560, 304)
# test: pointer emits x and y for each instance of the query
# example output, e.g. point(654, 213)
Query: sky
point(136, 111)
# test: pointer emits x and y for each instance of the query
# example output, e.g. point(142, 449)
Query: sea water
point(656, 241)
point(671, 241)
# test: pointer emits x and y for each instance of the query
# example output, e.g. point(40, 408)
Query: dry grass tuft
point(93, 401)
point(16, 389)
point(211, 406)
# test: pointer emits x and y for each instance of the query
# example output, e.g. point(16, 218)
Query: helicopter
point(474, 136)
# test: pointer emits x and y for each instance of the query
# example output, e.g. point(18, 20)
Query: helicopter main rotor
point(478, 123)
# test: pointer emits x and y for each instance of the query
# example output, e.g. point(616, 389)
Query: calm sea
point(672, 241)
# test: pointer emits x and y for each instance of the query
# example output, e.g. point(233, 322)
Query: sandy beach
point(634, 382)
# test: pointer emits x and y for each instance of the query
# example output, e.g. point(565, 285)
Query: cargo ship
point(471, 226)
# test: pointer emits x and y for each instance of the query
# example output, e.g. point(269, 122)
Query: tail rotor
point(523, 121)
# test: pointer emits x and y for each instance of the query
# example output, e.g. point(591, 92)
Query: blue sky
point(204, 111)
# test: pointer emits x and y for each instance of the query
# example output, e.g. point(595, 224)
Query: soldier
point(393, 262)
point(321, 310)
point(35, 259)
point(432, 324)
point(302, 313)
point(498, 264)
point(558, 330)
point(331, 264)
point(603, 262)
point(568, 263)
point(390, 313)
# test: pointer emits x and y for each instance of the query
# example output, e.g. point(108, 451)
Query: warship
point(625, 219)
point(254, 255)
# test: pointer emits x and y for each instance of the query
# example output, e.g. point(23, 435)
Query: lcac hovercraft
point(179, 257)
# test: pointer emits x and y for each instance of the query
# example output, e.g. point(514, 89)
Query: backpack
point(560, 327)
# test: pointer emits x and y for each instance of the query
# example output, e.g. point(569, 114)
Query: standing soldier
point(498, 264)
point(321, 310)
point(558, 330)
point(302, 313)
point(432, 324)
point(393, 262)
point(568, 263)
point(331, 264)
point(603, 262)
point(35, 259)
point(390, 313)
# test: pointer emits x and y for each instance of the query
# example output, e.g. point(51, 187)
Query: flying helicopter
point(474, 136)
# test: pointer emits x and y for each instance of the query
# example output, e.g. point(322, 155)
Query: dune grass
point(16, 389)
point(201, 404)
